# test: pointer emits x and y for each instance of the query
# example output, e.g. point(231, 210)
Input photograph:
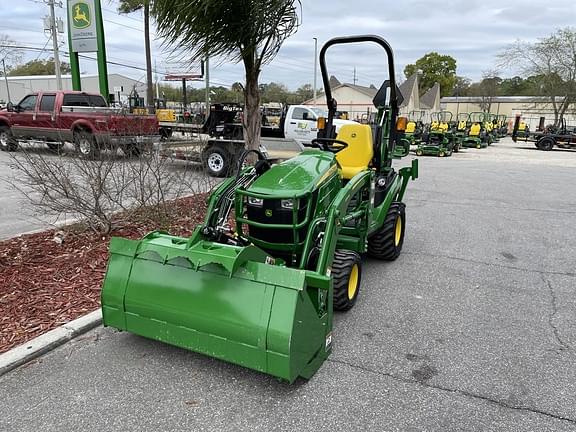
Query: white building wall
point(21, 86)
point(353, 101)
point(531, 111)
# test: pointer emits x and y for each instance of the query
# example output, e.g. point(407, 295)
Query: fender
point(82, 124)
point(5, 120)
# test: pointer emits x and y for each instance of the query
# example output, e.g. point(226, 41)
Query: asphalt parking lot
point(472, 328)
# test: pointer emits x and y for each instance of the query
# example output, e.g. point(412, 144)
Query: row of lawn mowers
point(445, 135)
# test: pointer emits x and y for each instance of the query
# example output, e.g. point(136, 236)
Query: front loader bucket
point(222, 301)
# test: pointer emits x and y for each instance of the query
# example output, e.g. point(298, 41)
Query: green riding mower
point(280, 249)
point(415, 127)
point(491, 125)
point(502, 125)
point(461, 128)
point(476, 136)
point(439, 139)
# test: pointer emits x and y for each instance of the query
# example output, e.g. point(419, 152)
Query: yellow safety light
point(401, 124)
point(321, 123)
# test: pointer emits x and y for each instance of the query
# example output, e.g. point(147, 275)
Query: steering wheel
point(327, 144)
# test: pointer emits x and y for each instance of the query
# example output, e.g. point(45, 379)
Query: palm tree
point(250, 31)
point(130, 6)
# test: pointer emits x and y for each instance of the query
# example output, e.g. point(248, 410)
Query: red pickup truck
point(78, 117)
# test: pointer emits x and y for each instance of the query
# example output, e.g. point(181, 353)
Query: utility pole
point(315, 67)
point(355, 80)
point(54, 31)
point(207, 72)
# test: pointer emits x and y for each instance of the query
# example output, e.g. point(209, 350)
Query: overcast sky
point(471, 31)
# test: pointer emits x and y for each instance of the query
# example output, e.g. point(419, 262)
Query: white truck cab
point(300, 123)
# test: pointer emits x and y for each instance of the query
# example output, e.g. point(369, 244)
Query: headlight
point(287, 204)
point(255, 201)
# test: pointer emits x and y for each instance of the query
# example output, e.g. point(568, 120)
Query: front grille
point(271, 212)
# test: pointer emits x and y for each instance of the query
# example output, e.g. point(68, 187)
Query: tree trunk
point(563, 107)
point(555, 108)
point(251, 121)
point(149, 83)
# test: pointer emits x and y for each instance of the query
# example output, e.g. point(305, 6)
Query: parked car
point(84, 119)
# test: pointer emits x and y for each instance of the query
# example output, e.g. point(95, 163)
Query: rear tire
point(7, 141)
point(85, 144)
point(346, 275)
point(546, 144)
point(165, 134)
point(386, 243)
point(419, 152)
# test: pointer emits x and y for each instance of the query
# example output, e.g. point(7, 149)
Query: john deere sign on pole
point(86, 34)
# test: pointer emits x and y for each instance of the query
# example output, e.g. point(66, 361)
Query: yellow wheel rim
point(398, 231)
point(353, 282)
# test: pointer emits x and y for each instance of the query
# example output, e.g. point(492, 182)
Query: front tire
point(346, 276)
point(386, 243)
point(7, 141)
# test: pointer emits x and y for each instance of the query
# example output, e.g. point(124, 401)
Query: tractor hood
point(296, 176)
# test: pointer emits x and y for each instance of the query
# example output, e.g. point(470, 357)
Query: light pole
point(315, 67)
point(6, 79)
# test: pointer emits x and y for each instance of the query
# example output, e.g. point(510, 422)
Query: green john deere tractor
point(439, 140)
point(260, 292)
point(476, 135)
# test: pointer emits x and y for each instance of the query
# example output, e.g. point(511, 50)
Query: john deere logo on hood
point(81, 15)
point(268, 213)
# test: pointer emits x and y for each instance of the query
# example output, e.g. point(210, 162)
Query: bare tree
point(553, 60)
point(487, 89)
point(9, 52)
point(107, 191)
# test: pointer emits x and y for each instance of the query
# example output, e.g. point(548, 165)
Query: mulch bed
point(45, 283)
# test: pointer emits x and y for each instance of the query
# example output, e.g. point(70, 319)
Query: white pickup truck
point(298, 122)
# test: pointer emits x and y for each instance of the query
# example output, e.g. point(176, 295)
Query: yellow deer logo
point(81, 15)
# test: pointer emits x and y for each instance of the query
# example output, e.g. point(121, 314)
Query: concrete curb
point(48, 341)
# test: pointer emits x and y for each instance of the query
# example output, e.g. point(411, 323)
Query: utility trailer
point(546, 138)
point(218, 156)
point(220, 141)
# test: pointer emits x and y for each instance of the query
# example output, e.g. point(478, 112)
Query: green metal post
point(74, 63)
point(102, 67)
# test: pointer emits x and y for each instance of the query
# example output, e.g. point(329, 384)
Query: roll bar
point(355, 39)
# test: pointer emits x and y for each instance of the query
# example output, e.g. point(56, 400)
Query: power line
point(123, 15)
point(44, 48)
point(67, 54)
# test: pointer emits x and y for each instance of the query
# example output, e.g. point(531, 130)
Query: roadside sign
point(81, 16)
